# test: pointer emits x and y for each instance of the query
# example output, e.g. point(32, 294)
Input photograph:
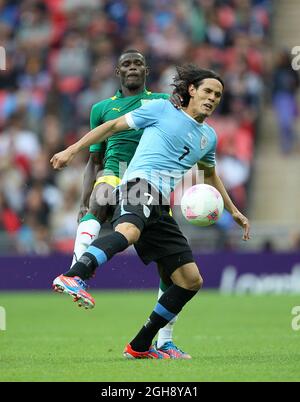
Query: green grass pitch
point(231, 338)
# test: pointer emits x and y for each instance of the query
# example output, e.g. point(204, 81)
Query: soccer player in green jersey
point(109, 160)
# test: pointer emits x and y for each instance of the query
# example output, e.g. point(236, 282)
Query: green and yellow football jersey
point(121, 147)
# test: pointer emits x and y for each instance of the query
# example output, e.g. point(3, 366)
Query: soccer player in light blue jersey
point(173, 141)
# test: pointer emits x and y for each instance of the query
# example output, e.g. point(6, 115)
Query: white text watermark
point(296, 319)
point(2, 319)
point(296, 58)
point(158, 185)
point(2, 58)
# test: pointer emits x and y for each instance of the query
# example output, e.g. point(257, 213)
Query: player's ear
point(192, 90)
point(147, 71)
point(117, 71)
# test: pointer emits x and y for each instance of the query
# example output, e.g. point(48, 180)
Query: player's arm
point(211, 177)
point(98, 134)
point(95, 162)
point(93, 166)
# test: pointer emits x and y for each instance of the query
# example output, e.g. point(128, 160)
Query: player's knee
point(93, 208)
point(130, 231)
point(198, 283)
point(188, 277)
point(100, 212)
point(195, 283)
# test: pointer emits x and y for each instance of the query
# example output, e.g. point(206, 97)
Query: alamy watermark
point(2, 58)
point(296, 59)
point(161, 184)
point(296, 319)
point(2, 319)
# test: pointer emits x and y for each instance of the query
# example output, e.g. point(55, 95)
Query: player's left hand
point(244, 223)
point(62, 159)
point(176, 101)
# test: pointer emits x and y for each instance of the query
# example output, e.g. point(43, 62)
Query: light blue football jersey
point(171, 144)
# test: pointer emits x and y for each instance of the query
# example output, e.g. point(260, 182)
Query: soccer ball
point(202, 205)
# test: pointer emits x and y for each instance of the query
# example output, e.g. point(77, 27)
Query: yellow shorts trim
point(113, 181)
point(170, 212)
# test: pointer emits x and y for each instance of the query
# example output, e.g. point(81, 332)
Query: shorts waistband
point(159, 198)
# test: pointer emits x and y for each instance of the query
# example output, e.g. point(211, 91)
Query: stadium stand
point(60, 58)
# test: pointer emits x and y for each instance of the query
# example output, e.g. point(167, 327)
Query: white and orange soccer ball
point(202, 205)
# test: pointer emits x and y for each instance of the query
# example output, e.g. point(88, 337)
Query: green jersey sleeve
point(160, 95)
point(165, 96)
point(95, 121)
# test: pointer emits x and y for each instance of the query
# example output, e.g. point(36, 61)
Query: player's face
point(206, 97)
point(132, 71)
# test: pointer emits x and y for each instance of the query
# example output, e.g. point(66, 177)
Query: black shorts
point(161, 239)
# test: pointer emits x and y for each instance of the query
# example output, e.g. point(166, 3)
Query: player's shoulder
point(210, 132)
point(156, 95)
point(155, 104)
point(101, 104)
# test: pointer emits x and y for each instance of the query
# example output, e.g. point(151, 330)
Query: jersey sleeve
point(209, 158)
point(95, 121)
point(146, 115)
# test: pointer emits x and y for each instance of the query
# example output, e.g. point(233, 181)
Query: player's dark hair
point(129, 51)
point(191, 74)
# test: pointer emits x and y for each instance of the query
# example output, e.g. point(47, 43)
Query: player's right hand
point(176, 100)
point(243, 222)
point(62, 159)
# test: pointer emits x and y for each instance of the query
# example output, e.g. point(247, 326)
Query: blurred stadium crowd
point(60, 59)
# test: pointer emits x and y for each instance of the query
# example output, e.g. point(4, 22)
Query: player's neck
point(191, 112)
point(131, 92)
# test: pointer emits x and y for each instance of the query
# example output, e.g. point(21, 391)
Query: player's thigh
point(164, 276)
point(187, 276)
point(164, 243)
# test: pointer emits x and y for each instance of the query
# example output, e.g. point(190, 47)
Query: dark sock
point(84, 267)
point(168, 306)
point(110, 245)
point(99, 252)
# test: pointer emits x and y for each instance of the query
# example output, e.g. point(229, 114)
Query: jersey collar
point(190, 117)
point(119, 93)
